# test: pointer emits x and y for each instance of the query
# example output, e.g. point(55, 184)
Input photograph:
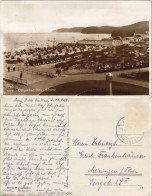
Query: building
point(117, 41)
point(137, 38)
point(101, 43)
point(113, 41)
point(90, 42)
point(106, 42)
point(126, 41)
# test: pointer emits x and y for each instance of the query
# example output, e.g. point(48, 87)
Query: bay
point(19, 41)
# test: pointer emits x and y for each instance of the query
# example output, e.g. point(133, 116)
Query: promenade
point(51, 83)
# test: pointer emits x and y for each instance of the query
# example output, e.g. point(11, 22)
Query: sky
point(49, 15)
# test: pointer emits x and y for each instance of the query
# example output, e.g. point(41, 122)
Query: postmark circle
point(123, 136)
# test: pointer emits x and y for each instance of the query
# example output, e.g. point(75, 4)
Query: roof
point(117, 38)
point(104, 39)
point(88, 40)
point(138, 36)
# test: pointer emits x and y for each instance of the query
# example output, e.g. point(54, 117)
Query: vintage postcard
point(92, 143)
point(76, 47)
point(75, 147)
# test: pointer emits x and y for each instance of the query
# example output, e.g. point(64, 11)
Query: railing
point(32, 71)
point(15, 79)
point(43, 73)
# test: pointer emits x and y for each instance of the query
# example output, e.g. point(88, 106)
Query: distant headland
point(139, 27)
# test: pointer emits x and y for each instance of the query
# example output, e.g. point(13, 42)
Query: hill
point(139, 27)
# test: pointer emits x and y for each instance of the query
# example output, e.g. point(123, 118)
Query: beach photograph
point(83, 48)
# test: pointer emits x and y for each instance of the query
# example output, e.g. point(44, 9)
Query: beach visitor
point(8, 68)
point(13, 67)
point(21, 75)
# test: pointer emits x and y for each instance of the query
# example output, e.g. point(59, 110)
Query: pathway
point(39, 87)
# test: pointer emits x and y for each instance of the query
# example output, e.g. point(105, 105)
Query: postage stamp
point(127, 137)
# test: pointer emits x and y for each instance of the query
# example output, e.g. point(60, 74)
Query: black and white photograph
point(86, 48)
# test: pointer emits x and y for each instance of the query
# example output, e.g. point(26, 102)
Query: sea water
point(18, 41)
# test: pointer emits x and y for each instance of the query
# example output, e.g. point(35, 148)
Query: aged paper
point(60, 146)
point(75, 115)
